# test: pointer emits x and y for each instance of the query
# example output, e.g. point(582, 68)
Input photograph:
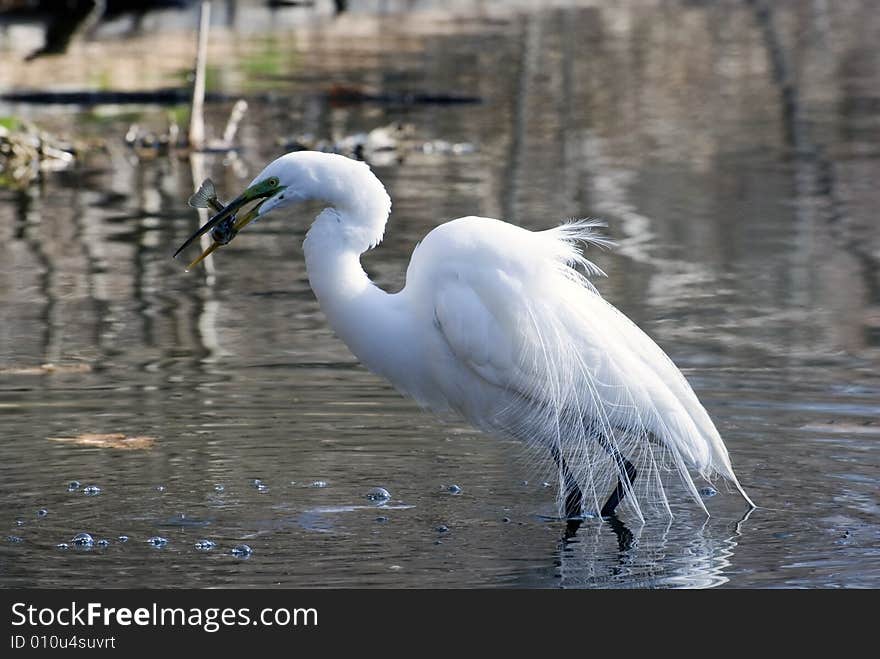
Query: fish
point(206, 197)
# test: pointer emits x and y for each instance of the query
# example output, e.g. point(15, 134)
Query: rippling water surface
point(748, 248)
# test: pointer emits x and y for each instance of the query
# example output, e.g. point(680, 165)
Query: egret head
point(347, 184)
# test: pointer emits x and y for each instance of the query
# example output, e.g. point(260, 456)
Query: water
point(748, 248)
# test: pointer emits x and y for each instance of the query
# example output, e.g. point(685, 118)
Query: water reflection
point(646, 557)
point(735, 170)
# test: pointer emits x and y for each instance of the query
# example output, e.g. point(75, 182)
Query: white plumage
point(501, 325)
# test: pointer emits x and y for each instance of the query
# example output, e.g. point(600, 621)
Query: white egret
point(500, 325)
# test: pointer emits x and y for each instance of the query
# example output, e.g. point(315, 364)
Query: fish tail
point(203, 197)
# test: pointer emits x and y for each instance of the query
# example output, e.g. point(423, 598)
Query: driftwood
point(196, 132)
point(148, 143)
point(163, 96)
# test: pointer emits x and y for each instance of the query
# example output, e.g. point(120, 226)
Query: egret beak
point(261, 191)
point(204, 254)
point(239, 224)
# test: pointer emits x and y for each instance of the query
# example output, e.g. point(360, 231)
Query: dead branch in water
point(197, 109)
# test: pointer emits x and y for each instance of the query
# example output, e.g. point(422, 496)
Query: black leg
point(627, 470)
point(571, 528)
point(574, 498)
point(625, 538)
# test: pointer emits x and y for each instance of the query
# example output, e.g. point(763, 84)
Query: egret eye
point(272, 182)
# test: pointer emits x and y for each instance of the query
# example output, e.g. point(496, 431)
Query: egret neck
point(364, 316)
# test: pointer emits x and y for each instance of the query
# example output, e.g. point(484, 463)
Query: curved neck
point(359, 203)
point(333, 263)
point(372, 323)
point(364, 316)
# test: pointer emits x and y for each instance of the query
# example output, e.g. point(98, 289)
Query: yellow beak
point(261, 191)
point(239, 224)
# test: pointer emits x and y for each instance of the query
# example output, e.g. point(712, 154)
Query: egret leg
point(574, 498)
point(627, 471)
point(571, 528)
point(625, 537)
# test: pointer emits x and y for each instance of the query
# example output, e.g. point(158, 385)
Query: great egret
point(500, 325)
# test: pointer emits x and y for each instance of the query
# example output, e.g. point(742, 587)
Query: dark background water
point(733, 153)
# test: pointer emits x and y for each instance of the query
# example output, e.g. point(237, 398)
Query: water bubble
point(103, 543)
point(257, 483)
point(82, 540)
point(159, 488)
point(19, 521)
point(205, 545)
point(378, 494)
point(545, 484)
point(42, 512)
point(506, 520)
point(157, 541)
point(438, 542)
point(262, 488)
point(319, 484)
point(219, 488)
point(442, 529)
point(708, 491)
point(381, 518)
point(14, 539)
point(62, 545)
point(91, 490)
point(122, 538)
point(453, 489)
point(73, 486)
point(394, 567)
point(242, 551)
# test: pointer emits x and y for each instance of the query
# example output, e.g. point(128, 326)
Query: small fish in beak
point(206, 197)
point(224, 232)
point(224, 226)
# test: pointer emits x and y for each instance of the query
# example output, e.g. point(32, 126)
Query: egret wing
point(478, 318)
point(580, 370)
